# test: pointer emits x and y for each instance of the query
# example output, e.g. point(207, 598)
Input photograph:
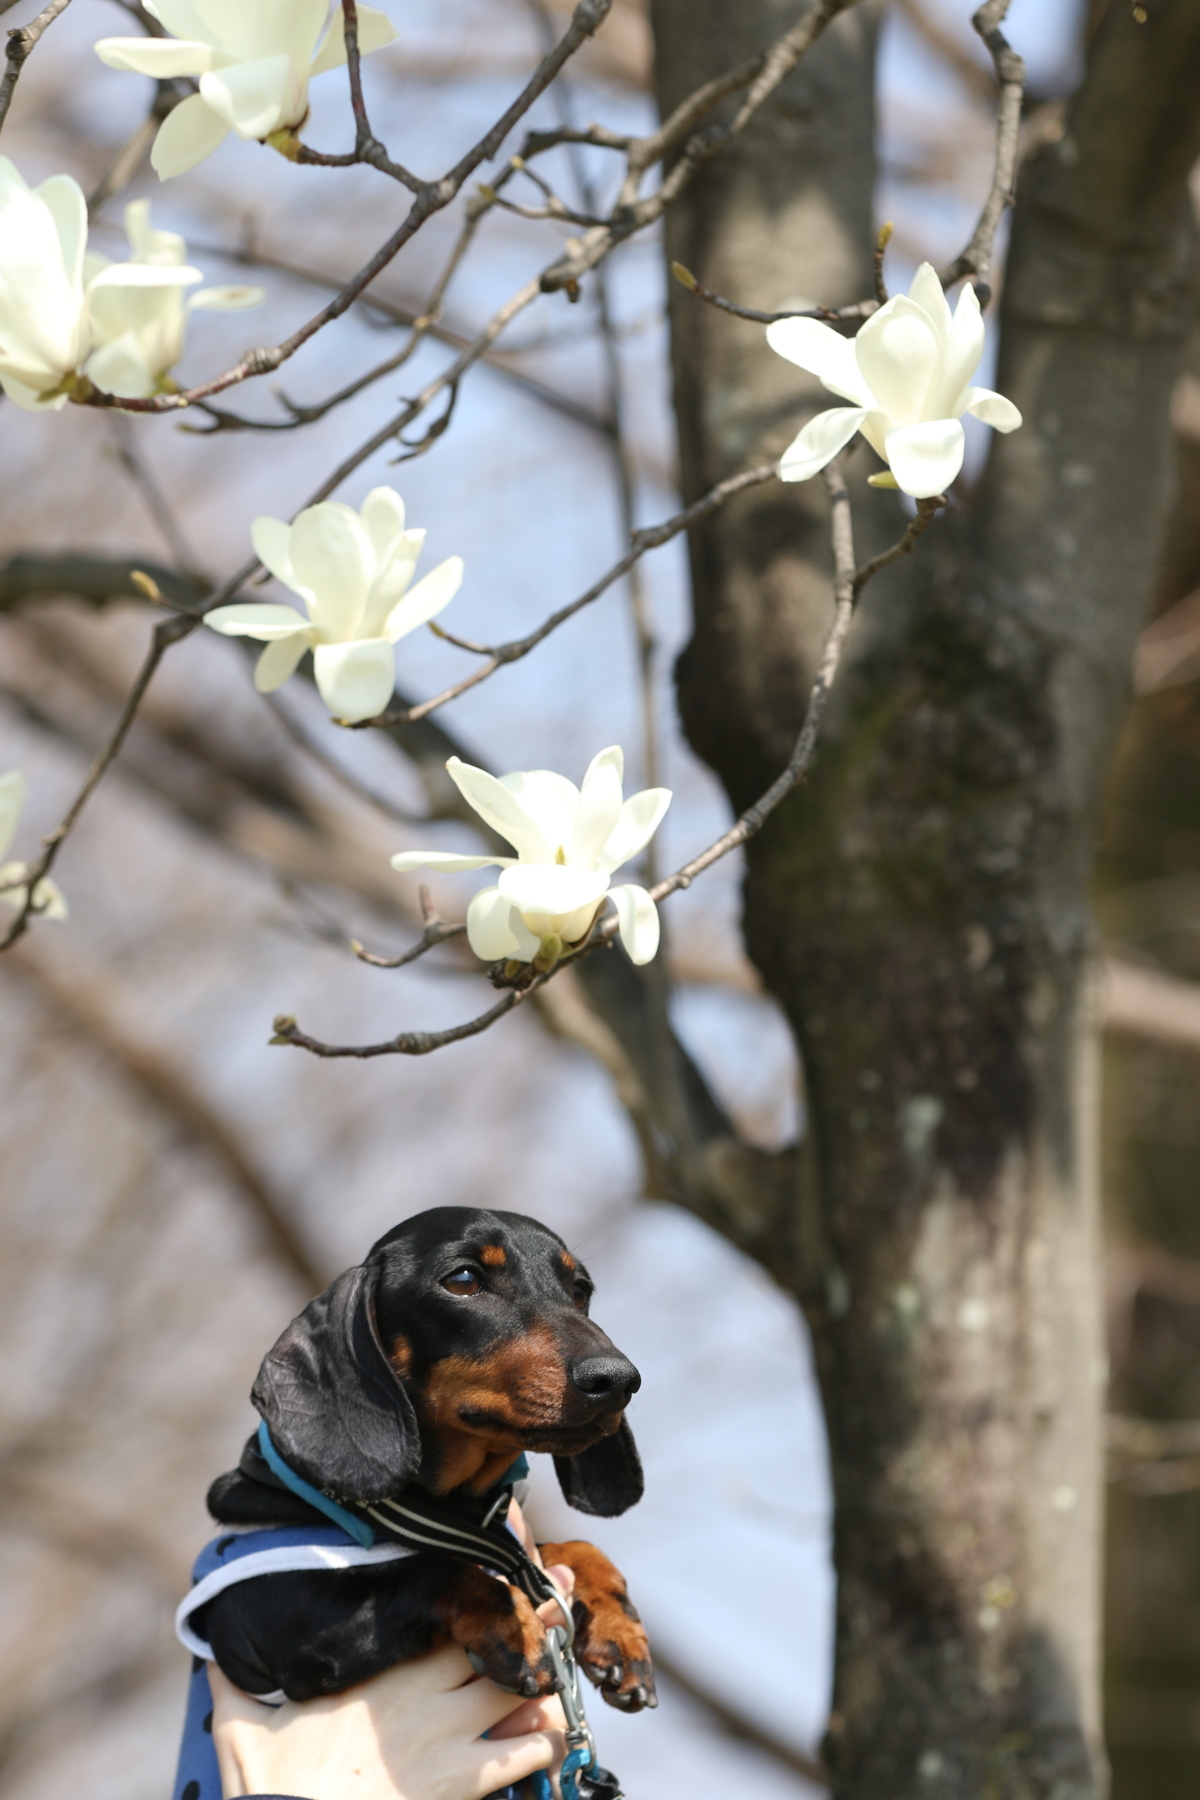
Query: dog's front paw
point(498, 1628)
point(610, 1642)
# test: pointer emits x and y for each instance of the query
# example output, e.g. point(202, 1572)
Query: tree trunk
point(920, 910)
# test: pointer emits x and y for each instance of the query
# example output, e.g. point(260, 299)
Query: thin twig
point(849, 582)
point(437, 931)
point(976, 259)
point(648, 538)
point(20, 43)
point(854, 313)
point(431, 197)
point(405, 1043)
point(163, 636)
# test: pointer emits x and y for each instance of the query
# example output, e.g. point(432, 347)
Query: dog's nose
point(605, 1379)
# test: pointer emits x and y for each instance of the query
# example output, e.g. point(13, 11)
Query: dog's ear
point(605, 1480)
point(334, 1406)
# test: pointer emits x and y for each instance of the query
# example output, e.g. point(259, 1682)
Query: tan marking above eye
point(493, 1256)
point(567, 1260)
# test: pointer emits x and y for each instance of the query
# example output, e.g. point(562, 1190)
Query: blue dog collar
point(357, 1528)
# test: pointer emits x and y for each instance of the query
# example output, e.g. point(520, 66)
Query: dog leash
point(474, 1531)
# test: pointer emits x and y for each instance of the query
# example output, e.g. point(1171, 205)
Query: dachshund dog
point(462, 1341)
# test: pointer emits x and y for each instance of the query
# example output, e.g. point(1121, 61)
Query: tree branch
point(21, 44)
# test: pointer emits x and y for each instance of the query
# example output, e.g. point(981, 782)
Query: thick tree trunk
point(920, 910)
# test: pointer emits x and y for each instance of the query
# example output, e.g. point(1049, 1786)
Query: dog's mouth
point(560, 1439)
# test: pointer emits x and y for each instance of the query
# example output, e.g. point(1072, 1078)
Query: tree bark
point(920, 910)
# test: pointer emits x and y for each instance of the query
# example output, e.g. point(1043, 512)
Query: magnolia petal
point(29, 399)
point(550, 799)
point(272, 541)
point(551, 889)
point(444, 863)
point(927, 292)
point(183, 20)
point(898, 353)
point(426, 600)
point(926, 458)
point(63, 199)
point(12, 803)
point(599, 808)
point(226, 299)
point(120, 368)
point(499, 807)
point(640, 818)
point(611, 754)
point(961, 358)
point(637, 919)
point(355, 681)
point(819, 442)
point(279, 661)
point(375, 30)
point(495, 929)
point(396, 562)
point(257, 619)
point(824, 352)
point(382, 513)
point(190, 132)
point(992, 408)
point(48, 899)
point(332, 557)
point(251, 97)
point(160, 57)
point(573, 926)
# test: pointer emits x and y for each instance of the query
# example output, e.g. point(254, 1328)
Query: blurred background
point(175, 1187)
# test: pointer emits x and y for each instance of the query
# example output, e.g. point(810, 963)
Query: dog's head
point(463, 1339)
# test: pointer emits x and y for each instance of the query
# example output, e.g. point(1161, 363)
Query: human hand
point(412, 1733)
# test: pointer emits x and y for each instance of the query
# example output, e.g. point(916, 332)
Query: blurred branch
point(738, 1725)
point(1150, 1005)
point(976, 259)
point(946, 44)
point(1168, 647)
point(648, 538)
point(86, 1004)
point(21, 44)
point(406, 315)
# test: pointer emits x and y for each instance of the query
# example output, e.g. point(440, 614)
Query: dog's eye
point(581, 1293)
point(463, 1282)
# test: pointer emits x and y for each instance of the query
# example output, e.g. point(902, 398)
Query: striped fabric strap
point(422, 1524)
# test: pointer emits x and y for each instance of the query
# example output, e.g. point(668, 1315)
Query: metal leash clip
point(581, 1777)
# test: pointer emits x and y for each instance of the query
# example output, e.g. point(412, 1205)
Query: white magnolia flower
point(352, 571)
point(138, 332)
point(254, 58)
point(47, 898)
point(907, 374)
point(568, 841)
point(46, 295)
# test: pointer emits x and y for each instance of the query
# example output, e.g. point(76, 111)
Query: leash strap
point(475, 1531)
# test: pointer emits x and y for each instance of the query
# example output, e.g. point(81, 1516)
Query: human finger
point(543, 1714)
point(481, 1706)
point(514, 1759)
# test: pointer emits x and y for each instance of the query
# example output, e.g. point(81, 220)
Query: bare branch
point(649, 538)
point(430, 197)
point(848, 586)
point(20, 45)
point(976, 259)
point(405, 1043)
point(84, 1002)
point(437, 931)
point(849, 582)
point(855, 312)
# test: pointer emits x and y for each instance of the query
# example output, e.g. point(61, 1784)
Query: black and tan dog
point(462, 1340)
